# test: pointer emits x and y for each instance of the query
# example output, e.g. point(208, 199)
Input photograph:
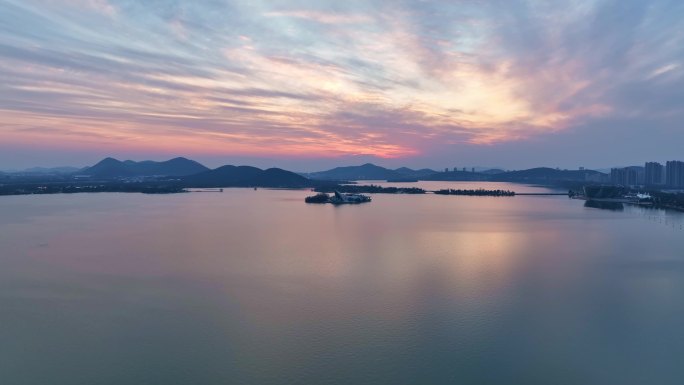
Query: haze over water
point(257, 287)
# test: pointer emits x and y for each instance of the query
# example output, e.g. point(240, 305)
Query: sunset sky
point(310, 84)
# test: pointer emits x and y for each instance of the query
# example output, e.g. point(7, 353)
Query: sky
point(311, 84)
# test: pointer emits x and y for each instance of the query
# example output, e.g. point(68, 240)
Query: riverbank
point(75, 188)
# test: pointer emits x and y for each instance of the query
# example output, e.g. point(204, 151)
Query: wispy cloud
point(322, 17)
point(390, 79)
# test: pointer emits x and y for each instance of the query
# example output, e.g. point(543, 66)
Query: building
point(674, 174)
point(627, 176)
point(653, 174)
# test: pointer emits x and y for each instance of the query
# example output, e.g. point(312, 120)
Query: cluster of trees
point(57, 188)
point(672, 200)
point(318, 198)
point(478, 192)
point(371, 189)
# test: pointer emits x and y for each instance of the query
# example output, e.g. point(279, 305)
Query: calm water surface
point(256, 287)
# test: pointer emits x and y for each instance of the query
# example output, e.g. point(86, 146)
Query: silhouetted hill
point(246, 176)
point(367, 171)
point(50, 170)
point(455, 176)
point(113, 168)
point(492, 171)
point(533, 175)
point(108, 168)
point(543, 174)
point(173, 167)
point(410, 173)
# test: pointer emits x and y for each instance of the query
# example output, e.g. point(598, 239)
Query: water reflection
point(256, 287)
point(613, 206)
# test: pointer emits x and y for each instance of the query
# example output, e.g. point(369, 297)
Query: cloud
point(390, 79)
point(663, 70)
point(100, 6)
point(321, 17)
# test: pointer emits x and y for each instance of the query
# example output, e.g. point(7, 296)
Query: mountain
point(533, 175)
point(367, 171)
point(246, 176)
point(113, 168)
point(50, 170)
point(108, 168)
point(493, 171)
point(455, 176)
point(544, 174)
point(172, 167)
point(410, 173)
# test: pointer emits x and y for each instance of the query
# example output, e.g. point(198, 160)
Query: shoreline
point(177, 187)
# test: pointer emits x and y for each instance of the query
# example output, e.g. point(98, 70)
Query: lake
point(257, 287)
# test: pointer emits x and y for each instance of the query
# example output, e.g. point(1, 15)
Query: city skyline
point(312, 85)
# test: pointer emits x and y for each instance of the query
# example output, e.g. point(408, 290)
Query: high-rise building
point(628, 176)
point(674, 173)
point(653, 174)
point(618, 175)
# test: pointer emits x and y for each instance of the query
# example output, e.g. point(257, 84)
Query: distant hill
point(410, 173)
point(113, 168)
point(533, 175)
point(108, 168)
point(367, 171)
point(493, 171)
point(50, 170)
point(456, 176)
point(194, 174)
point(370, 171)
point(543, 174)
point(246, 176)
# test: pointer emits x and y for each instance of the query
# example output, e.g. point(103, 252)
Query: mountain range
point(113, 168)
point(544, 174)
point(189, 173)
point(50, 170)
point(246, 176)
point(368, 171)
